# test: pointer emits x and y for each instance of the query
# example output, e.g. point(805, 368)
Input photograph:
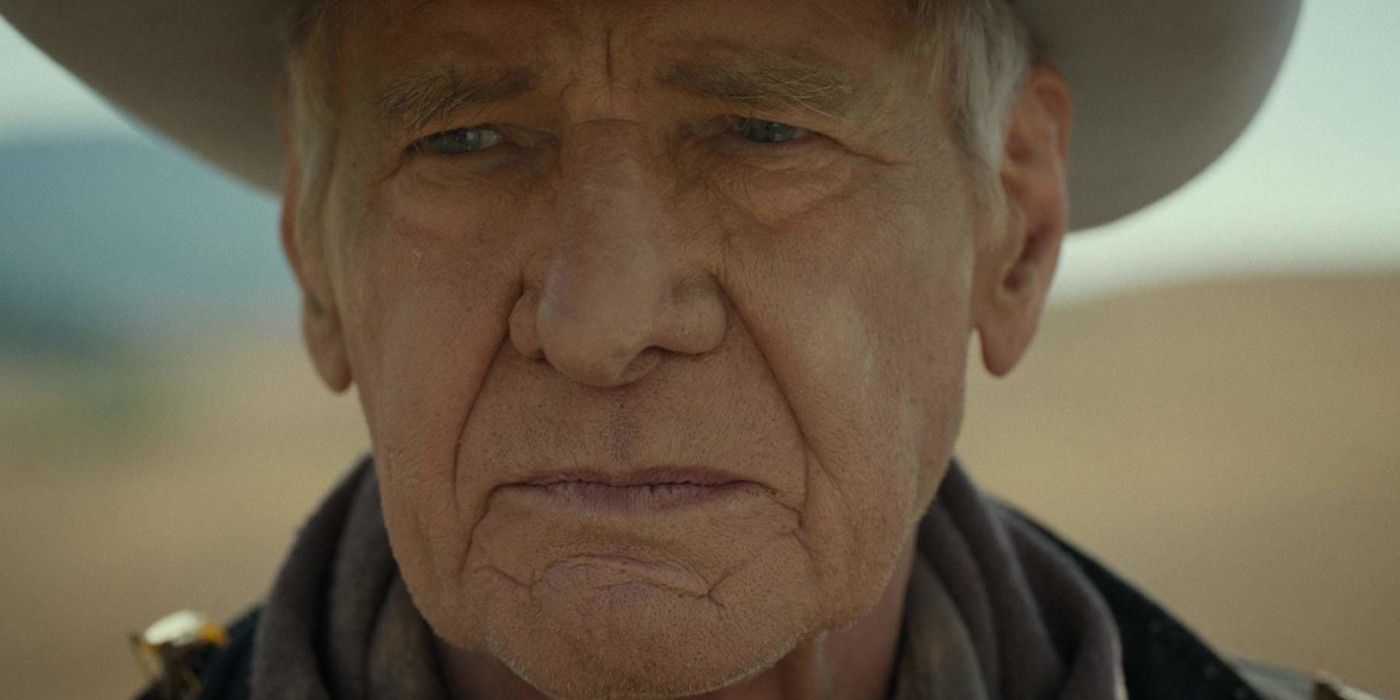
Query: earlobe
point(320, 320)
point(321, 331)
point(1015, 267)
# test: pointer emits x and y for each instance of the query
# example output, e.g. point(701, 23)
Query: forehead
point(816, 21)
point(626, 40)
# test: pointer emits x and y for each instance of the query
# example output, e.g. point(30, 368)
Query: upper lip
point(648, 476)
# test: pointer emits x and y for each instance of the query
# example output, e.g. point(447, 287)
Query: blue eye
point(761, 131)
point(459, 141)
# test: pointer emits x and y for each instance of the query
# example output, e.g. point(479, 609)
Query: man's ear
point(1016, 261)
point(320, 319)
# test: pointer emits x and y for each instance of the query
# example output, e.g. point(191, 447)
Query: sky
point(1313, 184)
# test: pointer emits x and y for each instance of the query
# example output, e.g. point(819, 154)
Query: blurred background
point(1213, 406)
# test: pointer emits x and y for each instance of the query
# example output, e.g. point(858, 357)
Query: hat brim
point(1161, 88)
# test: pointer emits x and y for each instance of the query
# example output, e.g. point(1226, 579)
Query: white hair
point(983, 52)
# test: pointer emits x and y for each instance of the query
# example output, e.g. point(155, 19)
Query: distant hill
point(101, 235)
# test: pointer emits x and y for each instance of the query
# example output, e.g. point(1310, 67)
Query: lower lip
point(594, 495)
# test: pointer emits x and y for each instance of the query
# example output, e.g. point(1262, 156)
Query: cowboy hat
point(1161, 88)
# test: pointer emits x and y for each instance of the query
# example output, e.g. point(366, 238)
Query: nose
point(619, 287)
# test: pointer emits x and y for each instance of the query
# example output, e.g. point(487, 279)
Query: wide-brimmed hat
point(1161, 87)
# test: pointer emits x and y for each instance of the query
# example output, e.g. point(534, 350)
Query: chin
point(639, 641)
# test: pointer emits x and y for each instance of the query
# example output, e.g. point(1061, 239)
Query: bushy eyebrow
point(417, 100)
point(769, 83)
point(412, 102)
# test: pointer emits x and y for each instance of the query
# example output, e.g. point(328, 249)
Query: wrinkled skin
point(626, 283)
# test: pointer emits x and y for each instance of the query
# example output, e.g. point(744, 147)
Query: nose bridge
point(612, 287)
point(609, 266)
point(605, 164)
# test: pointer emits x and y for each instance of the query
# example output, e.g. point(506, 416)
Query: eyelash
point(426, 143)
point(734, 125)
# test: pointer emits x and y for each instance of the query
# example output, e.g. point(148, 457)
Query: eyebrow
point(769, 83)
point(416, 100)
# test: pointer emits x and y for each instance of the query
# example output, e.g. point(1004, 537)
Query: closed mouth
point(647, 489)
point(651, 476)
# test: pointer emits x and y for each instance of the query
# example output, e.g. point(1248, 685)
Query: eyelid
point(419, 144)
point(768, 124)
point(809, 136)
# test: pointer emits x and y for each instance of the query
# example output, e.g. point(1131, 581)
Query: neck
point(855, 662)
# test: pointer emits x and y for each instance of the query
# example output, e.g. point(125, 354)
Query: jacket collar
point(1162, 659)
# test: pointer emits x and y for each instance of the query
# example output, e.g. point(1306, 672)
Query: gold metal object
point(171, 652)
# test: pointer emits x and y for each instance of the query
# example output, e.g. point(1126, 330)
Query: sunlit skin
point(616, 279)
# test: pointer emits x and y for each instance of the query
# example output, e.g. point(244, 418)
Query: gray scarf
point(993, 611)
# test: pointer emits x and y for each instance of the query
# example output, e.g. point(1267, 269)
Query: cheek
point(424, 297)
point(860, 306)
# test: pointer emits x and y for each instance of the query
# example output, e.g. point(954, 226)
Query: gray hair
point(982, 51)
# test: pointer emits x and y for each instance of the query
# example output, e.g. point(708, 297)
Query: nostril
point(601, 372)
point(524, 334)
point(640, 365)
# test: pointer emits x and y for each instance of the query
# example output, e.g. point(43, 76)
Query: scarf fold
point(993, 610)
point(1035, 626)
point(339, 622)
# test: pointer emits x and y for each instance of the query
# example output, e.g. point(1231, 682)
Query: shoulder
point(1274, 683)
point(1164, 659)
point(224, 673)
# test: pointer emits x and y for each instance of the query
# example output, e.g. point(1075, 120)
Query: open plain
point(1233, 447)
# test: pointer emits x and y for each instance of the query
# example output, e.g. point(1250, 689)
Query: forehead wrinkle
point(768, 82)
point(416, 100)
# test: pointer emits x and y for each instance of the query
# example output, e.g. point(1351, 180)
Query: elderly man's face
point(659, 315)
